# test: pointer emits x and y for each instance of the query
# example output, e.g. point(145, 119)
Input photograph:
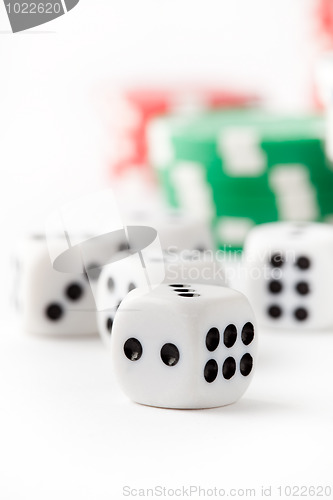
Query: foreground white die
point(119, 278)
point(184, 346)
point(288, 269)
point(51, 302)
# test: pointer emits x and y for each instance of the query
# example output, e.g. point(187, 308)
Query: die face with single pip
point(184, 346)
point(51, 302)
point(289, 270)
point(119, 278)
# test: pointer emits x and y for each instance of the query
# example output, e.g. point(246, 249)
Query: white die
point(51, 302)
point(184, 349)
point(176, 230)
point(119, 278)
point(288, 270)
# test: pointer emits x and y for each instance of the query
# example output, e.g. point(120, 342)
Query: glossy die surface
point(184, 346)
point(289, 269)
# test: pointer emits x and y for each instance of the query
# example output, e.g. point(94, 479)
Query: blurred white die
point(51, 302)
point(288, 273)
point(176, 230)
point(119, 278)
point(184, 349)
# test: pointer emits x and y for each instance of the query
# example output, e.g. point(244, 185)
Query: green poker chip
point(244, 167)
point(224, 134)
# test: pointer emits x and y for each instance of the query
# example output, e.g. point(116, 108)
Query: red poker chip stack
point(133, 109)
point(326, 22)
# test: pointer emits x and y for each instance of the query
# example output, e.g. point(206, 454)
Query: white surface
point(68, 432)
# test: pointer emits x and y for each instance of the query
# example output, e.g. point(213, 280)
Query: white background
point(54, 82)
point(66, 431)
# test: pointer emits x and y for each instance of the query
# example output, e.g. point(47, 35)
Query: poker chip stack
point(324, 81)
point(239, 168)
point(133, 109)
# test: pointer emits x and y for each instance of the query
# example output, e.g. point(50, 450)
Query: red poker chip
point(137, 107)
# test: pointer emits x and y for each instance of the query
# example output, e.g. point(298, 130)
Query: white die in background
point(184, 349)
point(119, 278)
point(288, 271)
point(176, 230)
point(51, 302)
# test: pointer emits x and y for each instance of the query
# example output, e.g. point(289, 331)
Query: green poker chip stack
point(243, 167)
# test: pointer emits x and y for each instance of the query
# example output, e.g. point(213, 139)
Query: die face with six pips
point(184, 346)
point(289, 270)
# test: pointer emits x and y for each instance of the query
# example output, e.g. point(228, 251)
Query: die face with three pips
point(55, 302)
point(119, 278)
point(52, 303)
point(184, 346)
